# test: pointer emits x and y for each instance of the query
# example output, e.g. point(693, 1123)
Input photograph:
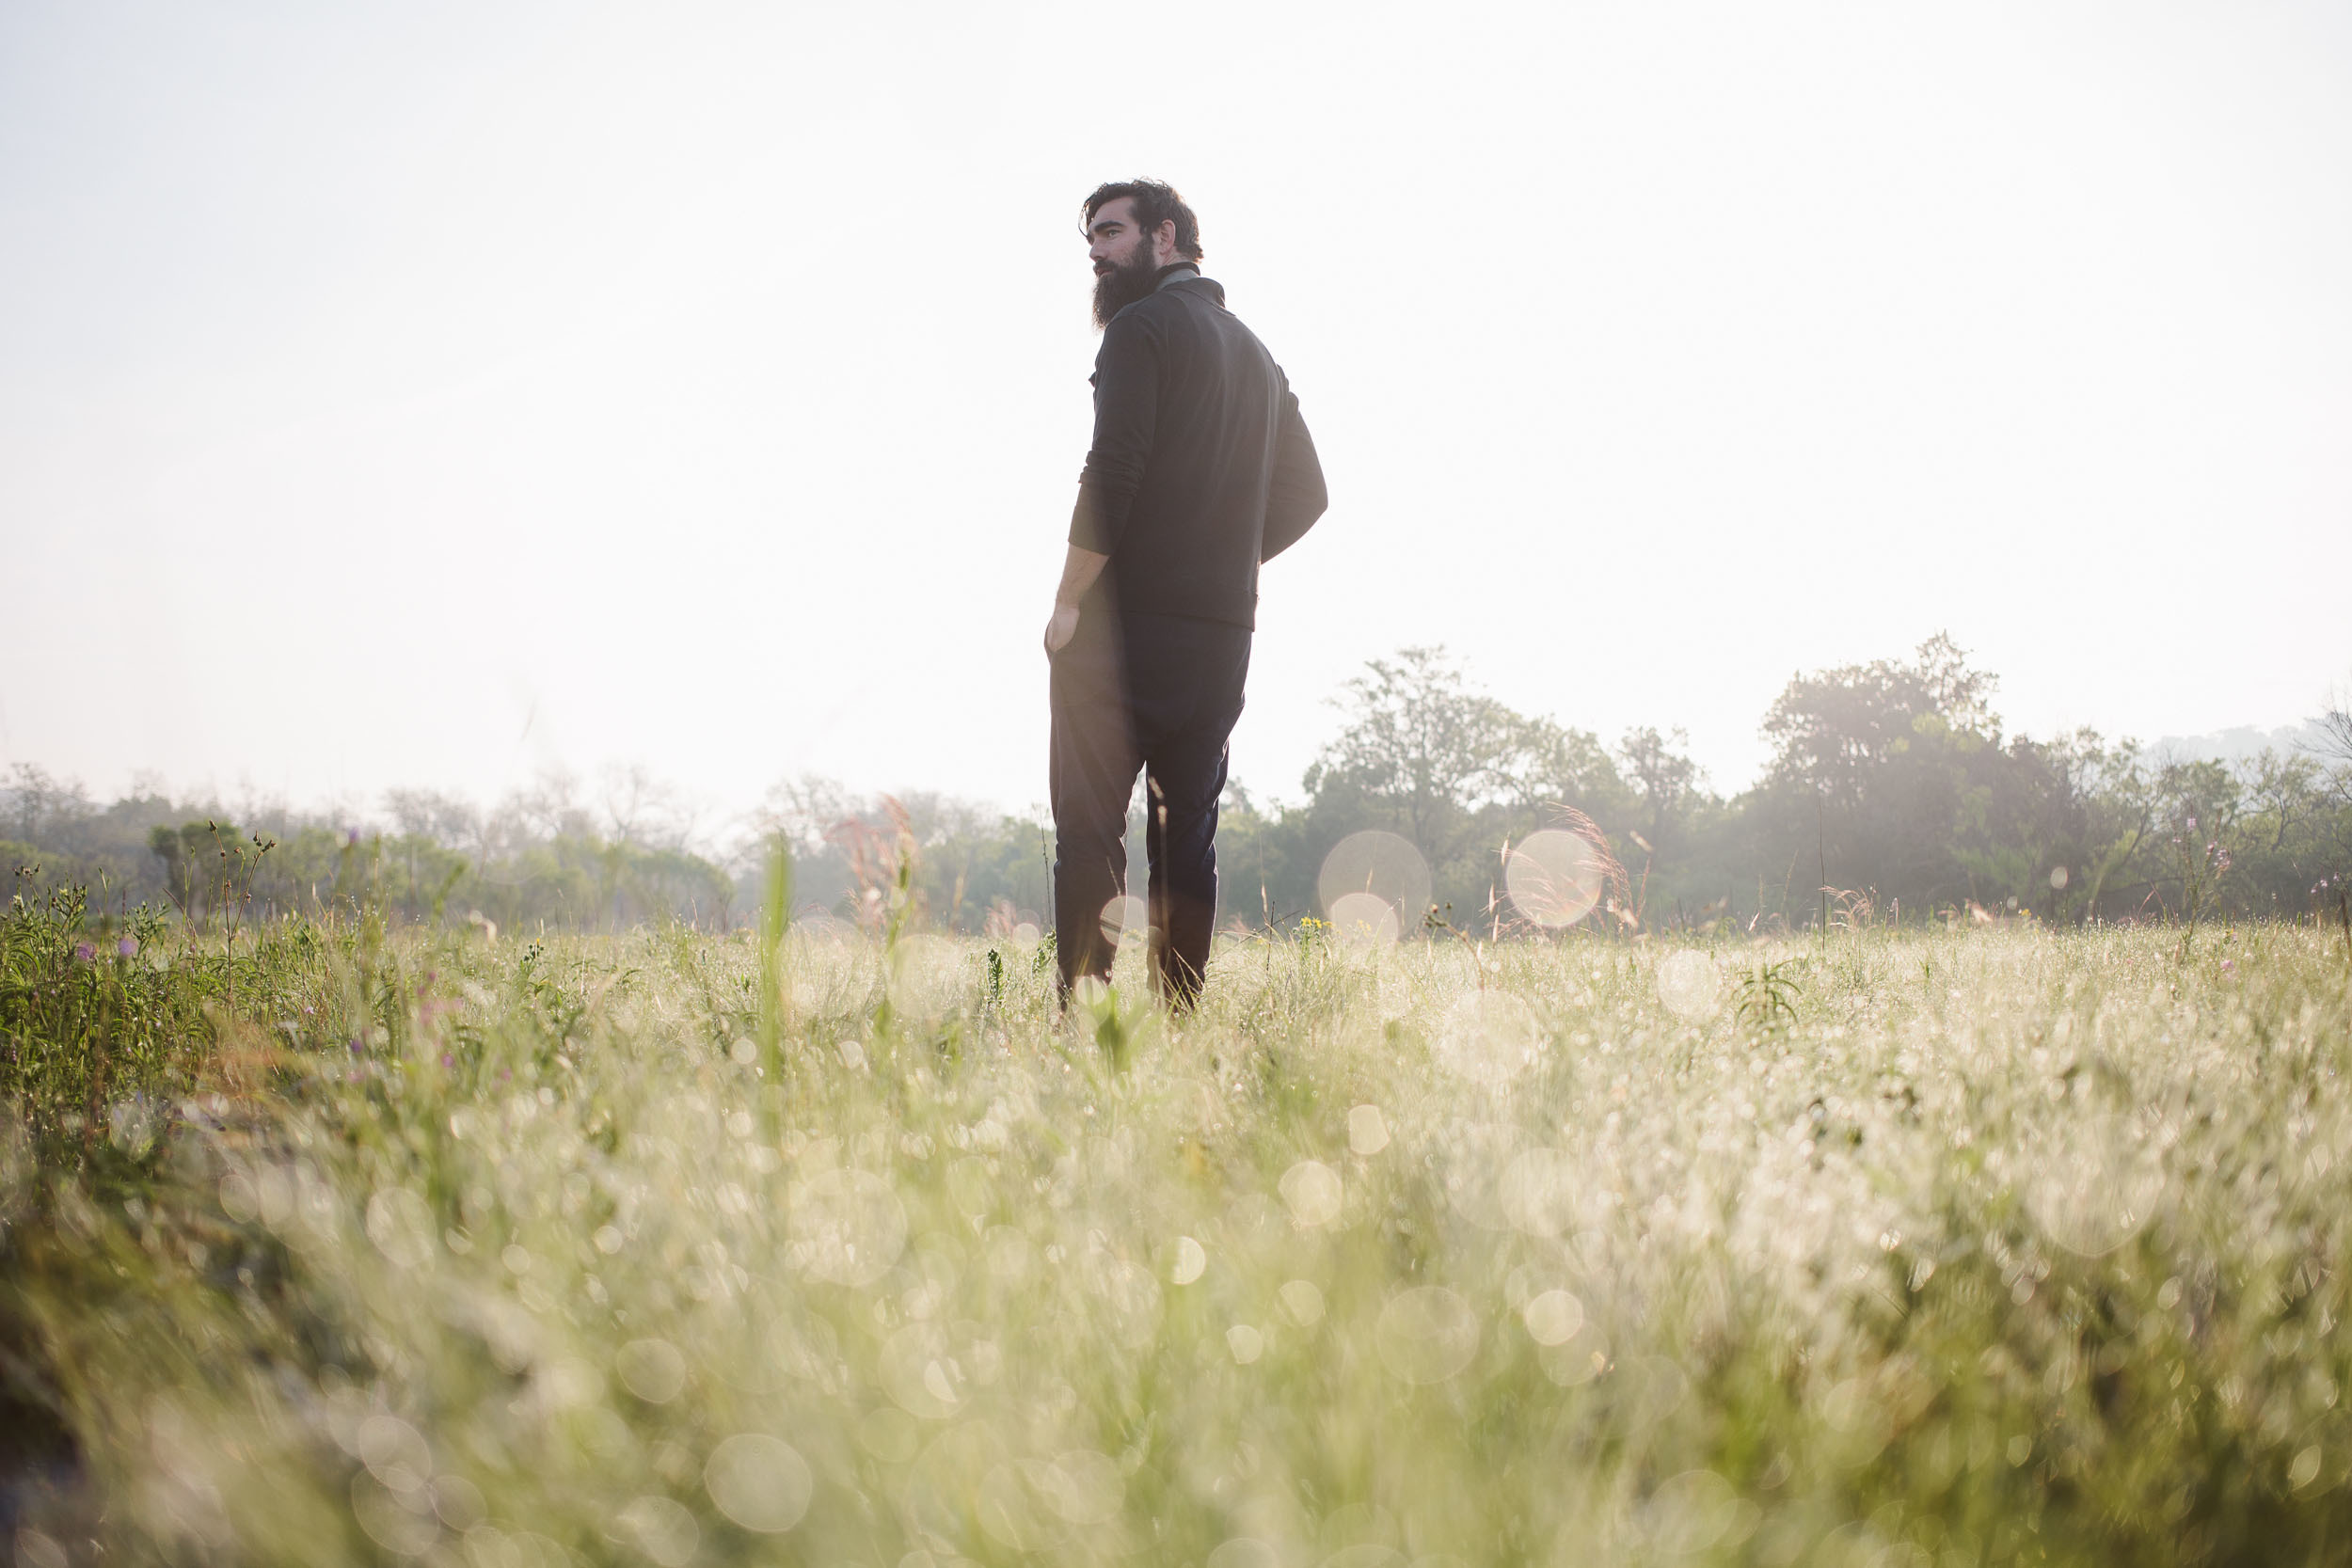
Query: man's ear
point(1165, 235)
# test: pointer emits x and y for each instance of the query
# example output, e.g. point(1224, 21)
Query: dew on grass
point(1245, 1343)
point(759, 1481)
point(1190, 1262)
point(848, 1227)
point(1427, 1333)
point(1367, 1129)
point(2095, 1184)
point(1539, 1192)
point(1554, 877)
point(1489, 1037)
point(1372, 868)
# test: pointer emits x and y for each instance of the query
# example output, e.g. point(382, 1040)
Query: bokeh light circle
point(1378, 865)
point(1690, 986)
point(1554, 877)
point(1364, 920)
point(1314, 1192)
point(1126, 919)
point(924, 975)
point(761, 1483)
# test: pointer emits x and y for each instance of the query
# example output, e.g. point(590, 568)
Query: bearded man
point(1201, 469)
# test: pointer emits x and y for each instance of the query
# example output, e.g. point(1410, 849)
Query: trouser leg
point(1182, 724)
point(1182, 837)
point(1092, 768)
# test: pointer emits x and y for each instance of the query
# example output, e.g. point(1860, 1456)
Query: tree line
point(1893, 793)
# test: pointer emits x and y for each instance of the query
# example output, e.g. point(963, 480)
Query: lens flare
point(1374, 868)
point(1125, 920)
point(1690, 986)
point(1364, 920)
point(1554, 877)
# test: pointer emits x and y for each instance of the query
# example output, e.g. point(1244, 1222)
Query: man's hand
point(1078, 571)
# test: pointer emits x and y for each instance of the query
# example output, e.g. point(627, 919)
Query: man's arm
point(1126, 417)
point(1078, 571)
point(1297, 496)
point(1126, 412)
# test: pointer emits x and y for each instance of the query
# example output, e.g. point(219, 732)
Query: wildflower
point(128, 947)
point(84, 953)
point(448, 1060)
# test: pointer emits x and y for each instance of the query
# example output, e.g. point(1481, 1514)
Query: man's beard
point(1120, 287)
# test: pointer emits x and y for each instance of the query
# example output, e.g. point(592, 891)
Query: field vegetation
point(330, 1240)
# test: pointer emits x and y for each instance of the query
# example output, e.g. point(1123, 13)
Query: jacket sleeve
point(1297, 496)
point(1126, 409)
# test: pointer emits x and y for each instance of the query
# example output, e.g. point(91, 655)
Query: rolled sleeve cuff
point(1097, 521)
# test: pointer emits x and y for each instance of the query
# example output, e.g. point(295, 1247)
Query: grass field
point(1998, 1246)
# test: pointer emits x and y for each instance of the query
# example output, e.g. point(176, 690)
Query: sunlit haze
point(434, 394)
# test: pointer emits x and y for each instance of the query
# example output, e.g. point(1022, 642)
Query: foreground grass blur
point(2016, 1245)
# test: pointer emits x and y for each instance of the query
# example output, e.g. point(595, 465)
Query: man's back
point(1202, 466)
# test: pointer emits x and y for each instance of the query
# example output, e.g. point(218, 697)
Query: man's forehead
point(1118, 211)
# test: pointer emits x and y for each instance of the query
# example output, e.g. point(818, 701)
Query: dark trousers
point(1157, 693)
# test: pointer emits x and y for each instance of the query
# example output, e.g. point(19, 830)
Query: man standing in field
point(1201, 469)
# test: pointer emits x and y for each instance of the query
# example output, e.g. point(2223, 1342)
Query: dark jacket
point(1201, 468)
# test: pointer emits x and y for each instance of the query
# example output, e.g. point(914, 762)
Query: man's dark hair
point(1157, 202)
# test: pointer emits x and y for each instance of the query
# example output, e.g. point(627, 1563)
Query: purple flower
point(2228, 966)
point(353, 840)
point(84, 952)
point(128, 947)
point(357, 1048)
point(448, 1060)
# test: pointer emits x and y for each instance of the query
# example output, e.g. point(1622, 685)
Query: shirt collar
point(1175, 272)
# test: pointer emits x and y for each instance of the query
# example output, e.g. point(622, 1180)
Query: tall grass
point(2000, 1246)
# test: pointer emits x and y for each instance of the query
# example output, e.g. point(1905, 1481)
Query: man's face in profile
point(1123, 256)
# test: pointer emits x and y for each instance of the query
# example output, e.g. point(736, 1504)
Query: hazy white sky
point(427, 394)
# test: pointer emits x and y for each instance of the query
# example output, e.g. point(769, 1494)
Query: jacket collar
point(1180, 274)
